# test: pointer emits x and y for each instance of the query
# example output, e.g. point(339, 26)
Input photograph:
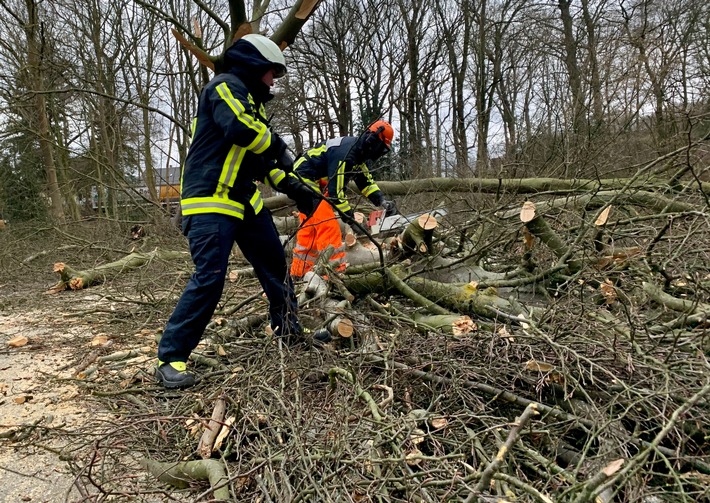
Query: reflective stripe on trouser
point(211, 237)
point(315, 234)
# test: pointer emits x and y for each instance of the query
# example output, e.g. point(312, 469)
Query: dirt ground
point(28, 397)
point(45, 410)
point(56, 364)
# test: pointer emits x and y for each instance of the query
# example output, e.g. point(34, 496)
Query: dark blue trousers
point(211, 237)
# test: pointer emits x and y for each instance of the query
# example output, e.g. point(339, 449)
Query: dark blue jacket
point(232, 141)
point(330, 165)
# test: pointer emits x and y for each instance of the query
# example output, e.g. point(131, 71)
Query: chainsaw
point(379, 224)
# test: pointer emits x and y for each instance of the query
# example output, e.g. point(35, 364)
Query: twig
point(487, 475)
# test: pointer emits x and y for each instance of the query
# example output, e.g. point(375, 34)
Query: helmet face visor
point(373, 146)
point(279, 71)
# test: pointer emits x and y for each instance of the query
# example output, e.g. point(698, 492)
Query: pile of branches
point(535, 352)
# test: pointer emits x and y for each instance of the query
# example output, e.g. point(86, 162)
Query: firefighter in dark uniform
point(232, 148)
point(327, 168)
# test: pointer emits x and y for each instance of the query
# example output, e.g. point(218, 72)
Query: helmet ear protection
point(383, 130)
point(377, 139)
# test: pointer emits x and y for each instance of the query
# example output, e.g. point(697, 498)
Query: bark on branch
point(71, 279)
point(180, 474)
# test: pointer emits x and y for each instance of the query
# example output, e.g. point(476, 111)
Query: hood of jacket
point(246, 62)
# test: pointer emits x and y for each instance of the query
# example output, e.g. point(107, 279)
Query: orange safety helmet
point(383, 130)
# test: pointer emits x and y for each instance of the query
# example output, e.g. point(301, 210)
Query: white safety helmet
point(269, 50)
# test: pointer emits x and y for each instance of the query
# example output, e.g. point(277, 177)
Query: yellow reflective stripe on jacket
point(256, 202)
point(308, 181)
point(263, 136)
point(230, 169)
point(340, 183)
point(275, 177)
point(215, 204)
point(370, 189)
point(343, 205)
point(315, 152)
point(212, 204)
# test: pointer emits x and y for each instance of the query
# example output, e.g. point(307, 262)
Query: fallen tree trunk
point(463, 298)
point(509, 186)
point(71, 279)
point(598, 199)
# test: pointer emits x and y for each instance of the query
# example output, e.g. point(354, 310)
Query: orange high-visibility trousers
point(315, 234)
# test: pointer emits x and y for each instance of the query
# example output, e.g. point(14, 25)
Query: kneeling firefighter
point(327, 168)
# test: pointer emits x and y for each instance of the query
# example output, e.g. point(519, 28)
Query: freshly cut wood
point(603, 217)
point(619, 256)
point(207, 440)
point(343, 327)
point(417, 236)
point(452, 324)
point(338, 323)
point(527, 212)
point(427, 221)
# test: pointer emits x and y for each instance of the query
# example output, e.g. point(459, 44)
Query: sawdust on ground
point(34, 393)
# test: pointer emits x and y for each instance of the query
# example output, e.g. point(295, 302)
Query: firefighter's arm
point(369, 189)
point(364, 181)
point(306, 198)
point(233, 115)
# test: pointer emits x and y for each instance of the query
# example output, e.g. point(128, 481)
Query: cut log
point(342, 327)
point(337, 323)
point(417, 237)
point(315, 287)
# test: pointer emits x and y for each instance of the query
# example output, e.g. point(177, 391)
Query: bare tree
point(32, 60)
point(455, 27)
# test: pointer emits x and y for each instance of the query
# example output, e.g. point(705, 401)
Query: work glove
point(390, 208)
point(305, 197)
point(278, 152)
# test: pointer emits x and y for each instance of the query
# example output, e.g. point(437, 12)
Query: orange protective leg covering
point(315, 235)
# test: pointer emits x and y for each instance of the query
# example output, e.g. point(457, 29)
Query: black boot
point(321, 336)
point(174, 376)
